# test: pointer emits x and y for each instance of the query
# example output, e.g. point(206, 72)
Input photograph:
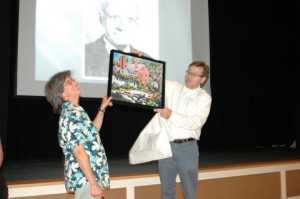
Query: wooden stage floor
point(17, 171)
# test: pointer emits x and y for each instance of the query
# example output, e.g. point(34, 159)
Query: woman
point(3, 185)
point(86, 168)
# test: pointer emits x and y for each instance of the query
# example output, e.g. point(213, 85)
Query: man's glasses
point(193, 74)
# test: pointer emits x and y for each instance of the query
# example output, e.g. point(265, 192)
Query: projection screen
point(53, 34)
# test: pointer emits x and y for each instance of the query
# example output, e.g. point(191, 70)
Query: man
point(119, 19)
point(186, 110)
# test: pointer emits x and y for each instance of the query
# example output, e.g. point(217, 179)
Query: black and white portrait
point(120, 22)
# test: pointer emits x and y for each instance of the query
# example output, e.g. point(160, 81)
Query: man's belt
point(183, 140)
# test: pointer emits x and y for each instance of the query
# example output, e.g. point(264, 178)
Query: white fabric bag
point(151, 144)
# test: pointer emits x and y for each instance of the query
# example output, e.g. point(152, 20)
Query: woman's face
point(71, 91)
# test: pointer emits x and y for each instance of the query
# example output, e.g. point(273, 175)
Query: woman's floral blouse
point(75, 128)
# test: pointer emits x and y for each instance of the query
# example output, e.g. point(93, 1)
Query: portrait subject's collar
point(109, 46)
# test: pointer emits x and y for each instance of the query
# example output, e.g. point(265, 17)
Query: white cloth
point(152, 143)
point(190, 109)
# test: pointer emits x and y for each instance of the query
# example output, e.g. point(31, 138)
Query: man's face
point(120, 22)
point(194, 77)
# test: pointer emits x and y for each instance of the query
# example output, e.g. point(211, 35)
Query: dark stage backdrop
point(254, 47)
point(5, 35)
point(254, 78)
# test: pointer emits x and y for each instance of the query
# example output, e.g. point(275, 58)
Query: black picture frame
point(136, 81)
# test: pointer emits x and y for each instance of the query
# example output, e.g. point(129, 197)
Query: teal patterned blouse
point(75, 128)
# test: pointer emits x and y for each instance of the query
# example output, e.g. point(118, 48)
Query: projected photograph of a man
point(119, 20)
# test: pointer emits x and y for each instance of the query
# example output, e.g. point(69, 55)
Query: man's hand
point(164, 112)
point(139, 53)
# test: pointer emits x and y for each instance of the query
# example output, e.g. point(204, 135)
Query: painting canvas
point(136, 81)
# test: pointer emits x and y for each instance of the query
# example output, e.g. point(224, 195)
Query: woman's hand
point(106, 101)
point(96, 191)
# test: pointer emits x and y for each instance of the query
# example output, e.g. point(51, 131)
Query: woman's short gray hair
point(54, 88)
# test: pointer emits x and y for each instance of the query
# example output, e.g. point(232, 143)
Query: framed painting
point(136, 81)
